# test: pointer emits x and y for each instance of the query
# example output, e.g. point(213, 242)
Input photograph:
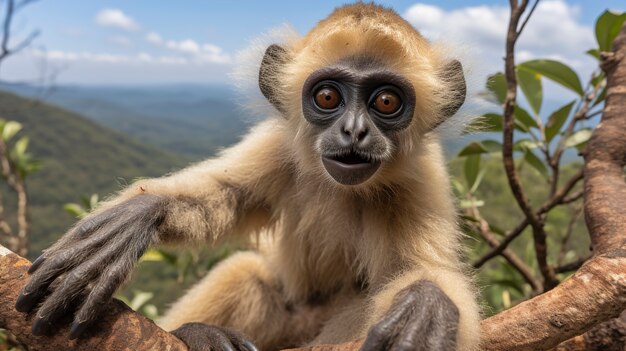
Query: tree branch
point(558, 198)
point(509, 256)
point(119, 328)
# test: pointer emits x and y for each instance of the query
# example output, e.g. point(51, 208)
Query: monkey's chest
point(319, 248)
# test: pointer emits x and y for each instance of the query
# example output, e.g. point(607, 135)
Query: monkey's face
point(358, 108)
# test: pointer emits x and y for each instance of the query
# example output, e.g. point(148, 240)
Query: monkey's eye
point(327, 98)
point(387, 102)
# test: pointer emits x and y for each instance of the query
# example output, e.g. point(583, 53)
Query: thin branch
point(572, 266)
point(557, 199)
point(593, 114)
point(574, 197)
point(509, 256)
point(6, 29)
point(535, 222)
point(530, 13)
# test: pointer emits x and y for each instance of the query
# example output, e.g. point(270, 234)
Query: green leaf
point(465, 203)
point(556, 121)
point(497, 85)
point(608, 26)
point(492, 146)
point(555, 71)
point(75, 210)
point(525, 144)
point(21, 146)
point(93, 201)
point(472, 167)
point(595, 53)
point(140, 299)
point(473, 148)
point(578, 137)
point(524, 118)
point(479, 178)
point(10, 129)
point(481, 147)
point(597, 79)
point(535, 162)
point(530, 83)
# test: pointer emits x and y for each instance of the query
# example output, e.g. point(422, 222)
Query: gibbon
point(347, 182)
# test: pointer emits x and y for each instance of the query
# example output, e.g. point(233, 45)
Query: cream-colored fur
point(338, 254)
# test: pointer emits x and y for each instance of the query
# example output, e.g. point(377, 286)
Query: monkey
point(344, 187)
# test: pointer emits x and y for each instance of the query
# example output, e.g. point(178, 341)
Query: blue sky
point(147, 41)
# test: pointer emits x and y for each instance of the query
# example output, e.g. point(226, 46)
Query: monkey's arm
point(83, 269)
point(425, 309)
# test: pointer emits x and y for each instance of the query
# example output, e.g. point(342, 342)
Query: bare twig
point(509, 256)
point(535, 222)
point(557, 199)
point(11, 9)
point(572, 266)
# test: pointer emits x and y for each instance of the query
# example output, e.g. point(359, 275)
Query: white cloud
point(116, 18)
point(205, 53)
point(121, 41)
point(86, 56)
point(553, 32)
point(154, 38)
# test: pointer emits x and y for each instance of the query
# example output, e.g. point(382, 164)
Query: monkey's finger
point(37, 287)
point(384, 332)
point(58, 263)
point(107, 283)
point(240, 342)
point(99, 296)
point(72, 249)
point(68, 292)
point(433, 321)
point(425, 332)
point(203, 337)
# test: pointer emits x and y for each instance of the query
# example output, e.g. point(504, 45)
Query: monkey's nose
point(355, 132)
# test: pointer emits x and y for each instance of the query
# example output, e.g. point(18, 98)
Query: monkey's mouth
point(350, 168)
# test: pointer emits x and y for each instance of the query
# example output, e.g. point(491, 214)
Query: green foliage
point(557, 120)
point(608, 26)
point(556, 71)
point(540, 141)
point(22, 162)
point(78, 157)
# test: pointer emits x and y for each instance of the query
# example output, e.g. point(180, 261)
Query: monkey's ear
point(274, 58)
point(452, 75)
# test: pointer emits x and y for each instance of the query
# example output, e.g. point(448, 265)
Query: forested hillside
point(79, 157)
point(191, 120)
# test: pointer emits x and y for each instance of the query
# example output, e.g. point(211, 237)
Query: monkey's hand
point(421, 318)
point(85, 267)
point(203, 337)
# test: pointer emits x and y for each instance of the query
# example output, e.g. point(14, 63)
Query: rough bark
point(119, 328)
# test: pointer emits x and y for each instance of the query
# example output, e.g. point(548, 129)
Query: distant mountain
point(192, 120)
point(80, 157)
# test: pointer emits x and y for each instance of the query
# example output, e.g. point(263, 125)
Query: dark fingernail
point(36, 264)
point(227, 347)
point(25, 302)
point(250, 346)
point(77, 329)
point(40, 326)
